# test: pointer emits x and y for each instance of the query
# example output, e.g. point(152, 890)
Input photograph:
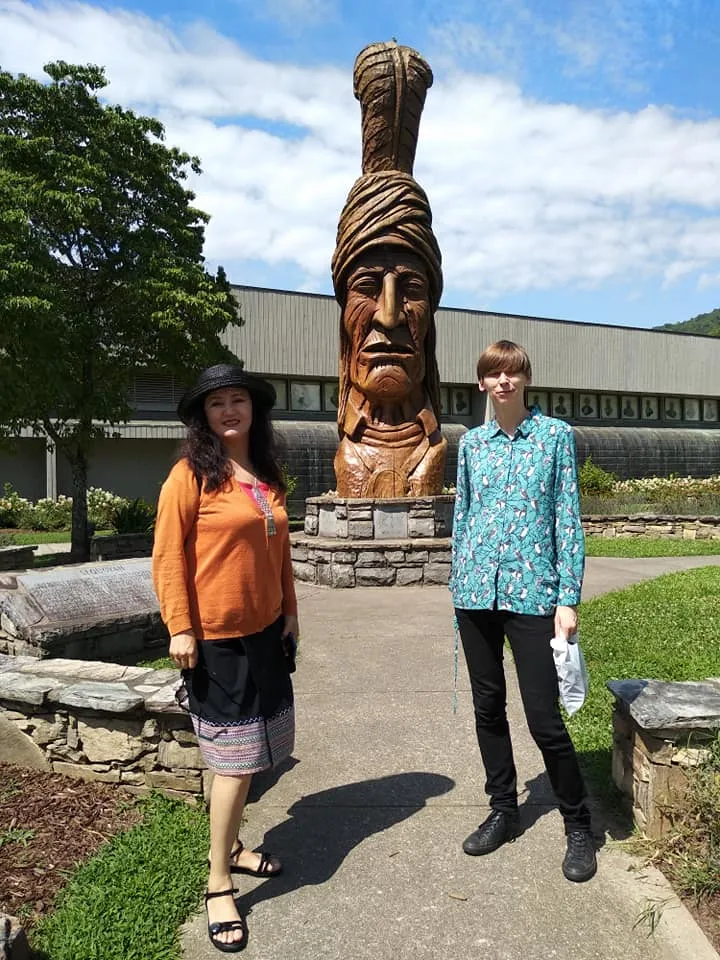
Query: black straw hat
point(225, 375)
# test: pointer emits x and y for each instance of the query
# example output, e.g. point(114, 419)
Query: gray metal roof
point(296, 334)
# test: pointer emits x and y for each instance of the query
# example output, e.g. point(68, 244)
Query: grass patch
point(665, 629)
point(630, 504)
point(690, 855)
point(16, 835)
point(650, 547)
point(22, 538)
point(160, 663)
point(130, 900)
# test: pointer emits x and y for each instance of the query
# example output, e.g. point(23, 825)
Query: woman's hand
point(291, 626)
point(184, 650)
point(566, 620)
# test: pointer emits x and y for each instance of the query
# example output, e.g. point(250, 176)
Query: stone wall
point(370, 563)
point(99, 721)
point(659, 730)
point(17, 558)
point(121, 546)
point(684, 528)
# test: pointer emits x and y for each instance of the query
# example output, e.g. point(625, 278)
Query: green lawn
point(666, 629)
point(649, 547)
point(129, 901)
point(23, 537)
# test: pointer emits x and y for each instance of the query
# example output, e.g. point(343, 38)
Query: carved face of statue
point(386, 317)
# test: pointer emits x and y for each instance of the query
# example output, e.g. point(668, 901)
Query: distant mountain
point(707, 323)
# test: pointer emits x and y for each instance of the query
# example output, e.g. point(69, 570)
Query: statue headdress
point(386, 205)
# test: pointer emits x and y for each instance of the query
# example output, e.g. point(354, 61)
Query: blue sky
point(570, 148)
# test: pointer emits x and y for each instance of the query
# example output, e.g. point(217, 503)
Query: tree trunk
point(80, 538)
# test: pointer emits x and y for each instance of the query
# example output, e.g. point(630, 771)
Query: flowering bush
point(13, 508)
point(47, 514)
point(102, 507)
point(660, 488)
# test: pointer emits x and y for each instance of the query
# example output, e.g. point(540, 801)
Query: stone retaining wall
point(659, 731)
point(121, 546)
point(17, 558)
point(649, 525)
point(99, 721)
point(370, 563)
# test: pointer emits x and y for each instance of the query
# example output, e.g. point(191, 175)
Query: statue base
point(374, 543)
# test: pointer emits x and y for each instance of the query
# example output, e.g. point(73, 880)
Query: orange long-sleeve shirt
point(215, 569)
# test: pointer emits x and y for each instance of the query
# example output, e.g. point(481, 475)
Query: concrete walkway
point(386, 782)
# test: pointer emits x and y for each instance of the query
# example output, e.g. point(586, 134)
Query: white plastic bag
point(571, 670)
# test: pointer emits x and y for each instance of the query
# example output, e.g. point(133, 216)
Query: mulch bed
point(69, 820)
point(707, 914)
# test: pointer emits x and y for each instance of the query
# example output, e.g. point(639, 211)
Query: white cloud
point(291, 14)
point(616, 42)
point(526, 195)
point(708, 280)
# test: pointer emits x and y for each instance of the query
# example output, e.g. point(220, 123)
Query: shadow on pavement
point(536, 800)
point(324, 827)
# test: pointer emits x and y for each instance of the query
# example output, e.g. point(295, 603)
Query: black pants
point(483, 633)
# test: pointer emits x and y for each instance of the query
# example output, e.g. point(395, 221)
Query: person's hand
point(566, 620)
point(291, 626)
point(184, 650)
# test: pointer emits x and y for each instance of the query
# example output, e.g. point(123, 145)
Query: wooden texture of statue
point(388, 280)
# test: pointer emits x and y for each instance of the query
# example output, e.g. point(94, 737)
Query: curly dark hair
point(206, 454)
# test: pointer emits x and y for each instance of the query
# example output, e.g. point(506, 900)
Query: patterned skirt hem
point(249, 746)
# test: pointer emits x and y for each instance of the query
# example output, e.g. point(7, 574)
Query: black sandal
point(224, 926)
point(266, 868)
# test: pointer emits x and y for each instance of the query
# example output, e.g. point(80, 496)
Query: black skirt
point(240, 699)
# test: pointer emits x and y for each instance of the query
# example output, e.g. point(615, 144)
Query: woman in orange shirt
point(223, 576)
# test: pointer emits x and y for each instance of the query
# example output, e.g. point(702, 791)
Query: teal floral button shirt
point(517, 536)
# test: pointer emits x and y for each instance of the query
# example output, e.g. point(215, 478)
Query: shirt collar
point(523, 429)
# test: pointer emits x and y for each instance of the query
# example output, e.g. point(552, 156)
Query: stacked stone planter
point(17, 558)
point(121, 546)
point(659, 730)
point(99, 721)
point(368, 542)
point(652, 525)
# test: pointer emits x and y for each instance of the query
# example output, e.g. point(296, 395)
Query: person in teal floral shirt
point(517, 569)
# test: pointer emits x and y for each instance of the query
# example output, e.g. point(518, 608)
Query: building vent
point(157, 393)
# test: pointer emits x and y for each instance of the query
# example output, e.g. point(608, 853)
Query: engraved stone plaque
point(91, 611)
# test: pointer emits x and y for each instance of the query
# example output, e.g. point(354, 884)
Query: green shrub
point(13, 508)
point(290, 480)
point(47, 514)
point(7, 540)
point(135, 516)
point(101, 505)
point(593, 479)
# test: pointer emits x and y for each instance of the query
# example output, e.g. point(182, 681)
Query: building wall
point(293, 338)
point(22, 465)
point(129, 467)
point(288, 333)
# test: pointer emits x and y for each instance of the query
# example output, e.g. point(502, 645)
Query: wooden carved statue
point(388, 280)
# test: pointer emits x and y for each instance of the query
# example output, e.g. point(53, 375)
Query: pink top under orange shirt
point(216, 570)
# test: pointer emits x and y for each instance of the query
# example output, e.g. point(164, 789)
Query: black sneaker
point(499, 828)
point(580, 863)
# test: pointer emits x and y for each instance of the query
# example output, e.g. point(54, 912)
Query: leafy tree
point(101, 266)
point(706, 323)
